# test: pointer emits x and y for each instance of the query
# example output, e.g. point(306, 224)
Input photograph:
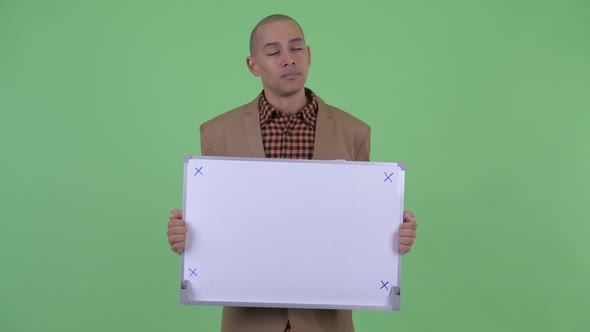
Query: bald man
point(286, 120)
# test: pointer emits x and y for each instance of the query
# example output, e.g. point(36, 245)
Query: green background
point(487, 101)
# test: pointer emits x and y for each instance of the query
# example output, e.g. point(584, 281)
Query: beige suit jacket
point(237, 133)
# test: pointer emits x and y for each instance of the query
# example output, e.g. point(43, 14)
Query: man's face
point(280, 58)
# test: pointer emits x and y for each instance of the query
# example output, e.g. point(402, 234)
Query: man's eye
point(274, 53)
point(297, 49)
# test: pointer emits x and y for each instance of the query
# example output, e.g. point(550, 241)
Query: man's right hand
point(176, 231)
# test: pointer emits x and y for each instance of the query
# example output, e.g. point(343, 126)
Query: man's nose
point(287, 59)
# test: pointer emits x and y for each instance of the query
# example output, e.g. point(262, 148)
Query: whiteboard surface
point(292, 233)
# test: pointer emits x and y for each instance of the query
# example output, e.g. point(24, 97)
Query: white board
point(292, 233)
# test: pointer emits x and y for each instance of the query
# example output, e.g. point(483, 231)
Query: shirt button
point(288, 133)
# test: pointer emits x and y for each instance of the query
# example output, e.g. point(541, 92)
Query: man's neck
point(287, 104)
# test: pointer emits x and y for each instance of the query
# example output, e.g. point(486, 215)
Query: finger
point(407, 241)
point(172, 239)
point(178, 247)
point(176, 222)
point(407, 233)
point(179, 235)
point(403, 249)
point(175, 230)
point(409, 225)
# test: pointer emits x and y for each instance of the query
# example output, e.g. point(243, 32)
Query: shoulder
point(349, 136)
point(230, 118)
point(342, 117)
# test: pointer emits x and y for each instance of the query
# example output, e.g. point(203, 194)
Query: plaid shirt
point(288, 136)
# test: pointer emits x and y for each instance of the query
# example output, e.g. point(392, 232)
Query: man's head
point(279, 56)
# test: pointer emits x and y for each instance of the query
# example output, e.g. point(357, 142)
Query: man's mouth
point(292, 74)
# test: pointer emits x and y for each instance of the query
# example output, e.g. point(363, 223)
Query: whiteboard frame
point(394, 293)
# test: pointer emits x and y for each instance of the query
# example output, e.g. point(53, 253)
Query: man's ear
point(252, 66)
point(308, 54)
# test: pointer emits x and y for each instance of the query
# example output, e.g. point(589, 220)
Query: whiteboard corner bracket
point(396, 295)
point(184, 292)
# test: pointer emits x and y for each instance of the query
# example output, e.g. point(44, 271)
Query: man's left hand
point(407, 233)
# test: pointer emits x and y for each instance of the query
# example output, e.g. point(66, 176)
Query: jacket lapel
point(323, 132)
point(252, 130)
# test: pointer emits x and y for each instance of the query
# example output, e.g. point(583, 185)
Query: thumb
point(176, 214)
point(409, 216)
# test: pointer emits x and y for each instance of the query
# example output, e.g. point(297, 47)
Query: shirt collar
point(308, 113)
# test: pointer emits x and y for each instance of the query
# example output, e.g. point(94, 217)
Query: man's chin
point(291, 91)
point(285, 90)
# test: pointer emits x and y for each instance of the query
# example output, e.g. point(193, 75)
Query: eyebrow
point(292, 40)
